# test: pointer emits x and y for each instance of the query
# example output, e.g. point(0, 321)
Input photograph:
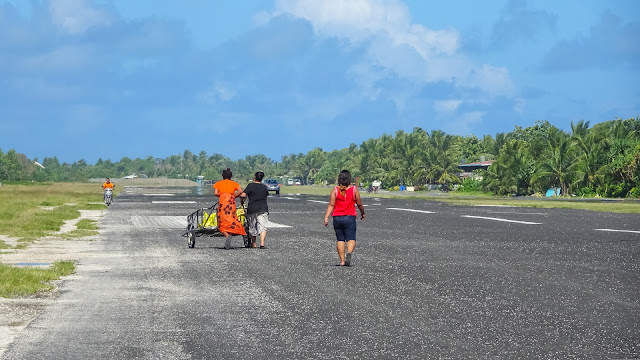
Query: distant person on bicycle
point(342, 206)
point(257, 211)
point(228, 190)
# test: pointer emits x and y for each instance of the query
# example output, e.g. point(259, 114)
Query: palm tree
point(442, 159)
point(557, 167)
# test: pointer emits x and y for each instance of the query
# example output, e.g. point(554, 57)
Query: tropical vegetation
point(602, 160)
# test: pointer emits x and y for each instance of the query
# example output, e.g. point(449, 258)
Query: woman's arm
point(238, 191)
point(332, 204)
point(359, 203)
point(216, 192)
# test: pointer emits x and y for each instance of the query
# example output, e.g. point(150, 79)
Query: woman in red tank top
point(342, 207)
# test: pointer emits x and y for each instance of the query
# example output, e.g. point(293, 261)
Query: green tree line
point(603, 159)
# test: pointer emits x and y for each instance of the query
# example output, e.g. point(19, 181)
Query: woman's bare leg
point(351, 245)
point(340, 247)
point(227, 240)
point(263, 235)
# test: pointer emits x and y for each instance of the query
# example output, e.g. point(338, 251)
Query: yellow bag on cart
point(241, 215)
point(209, 221)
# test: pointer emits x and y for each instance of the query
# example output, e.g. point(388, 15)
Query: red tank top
point(345, 205)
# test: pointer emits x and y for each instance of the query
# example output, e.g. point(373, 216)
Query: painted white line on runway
point(615, 230)
point(500, 219)
point(513, 212)
point(413, 210)
point(276, 225)
point(287, 197)
point(173, 202)
point(159, 194)
point(496, 205)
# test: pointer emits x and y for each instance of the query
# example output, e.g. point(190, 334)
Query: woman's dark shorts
point(345, 227)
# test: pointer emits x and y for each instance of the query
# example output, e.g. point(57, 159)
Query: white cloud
point(218, 91)
point(77, 16)
point(493, 80)
point(358, 20)
point(447, 106)
point(464, 123)
point(395, 45)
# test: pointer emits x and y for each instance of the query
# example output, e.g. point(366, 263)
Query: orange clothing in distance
point(227, 217)
point(227, 186)
point(108, 185)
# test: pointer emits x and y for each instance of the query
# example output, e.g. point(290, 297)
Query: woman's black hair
point(344, 178)
point(259, 176)
point(227, 174)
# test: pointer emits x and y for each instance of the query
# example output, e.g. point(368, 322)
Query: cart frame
point(198, 217)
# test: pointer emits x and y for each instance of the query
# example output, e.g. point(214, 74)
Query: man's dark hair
point(344, 178)
point(259, 176)
point(227, 174)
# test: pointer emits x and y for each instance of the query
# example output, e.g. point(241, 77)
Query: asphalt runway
point(438, 281)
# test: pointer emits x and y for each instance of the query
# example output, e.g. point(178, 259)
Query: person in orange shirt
point(228, 190)
point(108, 185)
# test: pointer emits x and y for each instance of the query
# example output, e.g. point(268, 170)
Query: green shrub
point(470, 185)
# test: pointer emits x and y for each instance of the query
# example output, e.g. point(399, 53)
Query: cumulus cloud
point(394, 46)
point(77, 16)
point(446, 106)
point(609, 43)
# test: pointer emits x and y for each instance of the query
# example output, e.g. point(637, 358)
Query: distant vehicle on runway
point(108, 196)
point(273, 185)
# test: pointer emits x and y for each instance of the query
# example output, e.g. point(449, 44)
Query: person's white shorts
point(257, 223)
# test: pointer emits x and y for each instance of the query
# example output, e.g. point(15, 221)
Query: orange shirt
point(108, 185)
point(226, 186)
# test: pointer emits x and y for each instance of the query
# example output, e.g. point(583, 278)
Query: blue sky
point(89, 79)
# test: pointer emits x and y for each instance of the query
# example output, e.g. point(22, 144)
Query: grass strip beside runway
point(29, 212)
point(629, 206)
point(21, 281)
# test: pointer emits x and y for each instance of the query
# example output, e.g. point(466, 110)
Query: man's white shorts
point(257, 223)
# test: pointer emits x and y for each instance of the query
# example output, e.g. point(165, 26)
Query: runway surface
point(429, 280)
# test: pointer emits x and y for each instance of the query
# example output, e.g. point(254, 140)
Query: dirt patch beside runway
point(17, 314)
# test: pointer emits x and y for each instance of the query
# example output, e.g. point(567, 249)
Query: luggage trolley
point(203, 222)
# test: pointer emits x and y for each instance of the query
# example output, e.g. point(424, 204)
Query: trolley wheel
point(191, 240)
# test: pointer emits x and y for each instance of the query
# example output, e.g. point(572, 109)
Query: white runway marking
point(496, 205)
point(287, 197)
point(500, 219)
point(159, 222)
point(276, 225)
point(173, 222)
point(159, 194)
point(173, 202)
point(413, 210)
point(514, 212)
point(319, 201)
point(615, 230)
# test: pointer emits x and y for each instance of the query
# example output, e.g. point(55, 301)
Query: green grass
point(610, 205)
point(86, 224)
point(19, 281)
point(21, 214)
point(78, 234)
